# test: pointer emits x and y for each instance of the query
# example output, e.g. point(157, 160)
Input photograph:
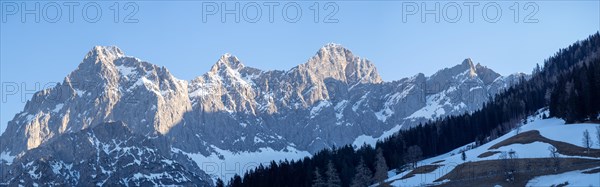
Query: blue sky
point(173, 34)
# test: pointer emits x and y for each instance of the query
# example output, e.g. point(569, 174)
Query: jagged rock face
point(465, 87)
point(107, 154)
point(107, 86)
point(332, 99)
point(212, 91)
point(332, 62)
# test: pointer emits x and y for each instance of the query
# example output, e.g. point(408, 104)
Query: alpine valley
point(118, 120)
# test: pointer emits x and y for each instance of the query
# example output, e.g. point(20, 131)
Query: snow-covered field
point(552, 128)
point(225, 164)
point(574, 178)
point(370, 140)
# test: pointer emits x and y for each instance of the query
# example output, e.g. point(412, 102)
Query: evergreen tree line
point(576, 96)
point(575, 68)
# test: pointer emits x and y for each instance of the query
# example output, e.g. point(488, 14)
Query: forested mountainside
point(564, 83)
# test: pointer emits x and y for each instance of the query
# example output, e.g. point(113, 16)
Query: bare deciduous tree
point(413, 155)
point(587, 140)
point(509, 164)
point(598, 135)
point(555, 157)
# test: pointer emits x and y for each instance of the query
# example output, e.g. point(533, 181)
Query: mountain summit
point(227, 61)
point(337, 62)
point(105, 52)
point(472, 68)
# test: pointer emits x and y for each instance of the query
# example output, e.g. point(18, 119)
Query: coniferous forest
point(568, 84)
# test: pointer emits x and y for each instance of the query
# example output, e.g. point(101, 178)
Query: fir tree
point(235, 182)
point(381, 168)
point(219, 183)
point(333, 178)
point(363, 175)
point(318, 181)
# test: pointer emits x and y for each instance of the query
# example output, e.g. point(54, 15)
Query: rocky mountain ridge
point(335, 98)
point(106, 154)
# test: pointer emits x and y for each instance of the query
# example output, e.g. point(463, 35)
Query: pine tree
point(333, 178)
point(219, 183)
point(363, 175)
point(537, 69)
point(236, 181)
point(319, 181)
point(381, 168)
point(463, 156)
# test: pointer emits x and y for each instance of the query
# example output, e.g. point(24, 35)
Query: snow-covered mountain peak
point(106, 86)
point(227, 61)
point(333, 50)
point(467, 70)
point(100, 65)
point(336, 62)
point(332, 45)
point(109, 53)
point(108, 66)
point(97, 68)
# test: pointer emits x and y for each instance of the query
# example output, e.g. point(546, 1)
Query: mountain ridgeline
point(567, 84)
point(335, 98)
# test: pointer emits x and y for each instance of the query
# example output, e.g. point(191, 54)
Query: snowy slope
point(225, 164)
point(551, 128)
point(574, 178)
